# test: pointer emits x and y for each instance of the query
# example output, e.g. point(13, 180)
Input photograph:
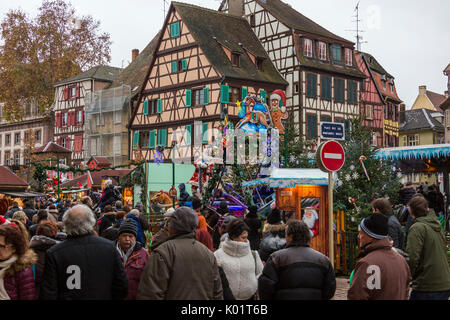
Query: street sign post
point(331, 157)
point(332, 130)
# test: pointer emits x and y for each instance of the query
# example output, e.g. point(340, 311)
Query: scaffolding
point(106, 118)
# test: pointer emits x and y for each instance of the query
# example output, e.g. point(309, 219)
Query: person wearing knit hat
point(133, 255)
point(183, 220)
point(381, 273)
point(274, 235)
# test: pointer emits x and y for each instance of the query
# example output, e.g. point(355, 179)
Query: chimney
point(236, 7)
point(422, 90)
point(402, 113)
point(134, 54)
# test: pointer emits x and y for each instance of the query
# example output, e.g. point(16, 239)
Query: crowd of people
point(75, 251)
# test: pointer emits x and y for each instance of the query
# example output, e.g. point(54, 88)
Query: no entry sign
point(331, 156)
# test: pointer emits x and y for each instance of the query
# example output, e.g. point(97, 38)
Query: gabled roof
point(98, 176)
point(52, 147)
point(102, 161)
point(445, 105)
point(8, 179)
point(101, 73)
point(420, 119)
point(375, 66)
point(436, 99)
point(211, 29)
point(74, 182)
point(134, 74)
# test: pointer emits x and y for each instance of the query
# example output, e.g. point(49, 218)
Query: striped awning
point(289, 178)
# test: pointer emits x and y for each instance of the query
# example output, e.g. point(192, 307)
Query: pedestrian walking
point(197, 206)
point(84, 266)
point(381, 273)
point(136, 216)
point(241, 265)
point(274, 235)
point(181, 268)
point(16, 262)
point(107, 220)
point(255, 225)
point(42, 215)
point(163, 234)
point(133, 255)
point(297, 272)
point(44, 239)
point(427, 252)
point(10, 213)
point(395, 232)
point(29, 209)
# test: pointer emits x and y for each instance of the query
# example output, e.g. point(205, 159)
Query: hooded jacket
point(427, 251)
point(381, 274)
point(273, 240)
point(395, 232)
point(241, 266)
point(184, 196)
point(18, 281)
point(40, 245)
point(297, 273)
point(181, 269)
point(254, 235)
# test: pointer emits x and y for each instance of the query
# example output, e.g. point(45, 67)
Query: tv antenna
point(358, 31)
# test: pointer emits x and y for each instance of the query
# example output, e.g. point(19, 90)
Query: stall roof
point(289, 178)
point(23, 194)
point(416, 152)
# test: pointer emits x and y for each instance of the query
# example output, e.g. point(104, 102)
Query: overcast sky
point(409, 38)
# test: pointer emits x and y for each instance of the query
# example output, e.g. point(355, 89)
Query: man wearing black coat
point(29, 210)
point(109, 195)
point(83, 267)
point(297, 272)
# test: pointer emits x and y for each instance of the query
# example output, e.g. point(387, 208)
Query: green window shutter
point(159, 106)
point(244, 93)
point(152, 139)
point(188, 134)
point(337, 52)
point(311, 126)
point(184, 64)
point(263, 94)
point(224, 94)
point(145, 107)
point(205, 139)
point(325, 119)
point(162, 137)
point(325, 88)
point(135, 140)
point(188, 98)
point(174, 66)
point(205, 96)
point(311, 85)
point(175, 29)
point(339, 90)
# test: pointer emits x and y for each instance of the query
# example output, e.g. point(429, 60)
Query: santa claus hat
point(278, 95)
point(313, 212)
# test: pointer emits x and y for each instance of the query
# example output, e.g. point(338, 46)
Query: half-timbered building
point(69, 107)
point(320, 67)
point(205, 63)
point(380, 104)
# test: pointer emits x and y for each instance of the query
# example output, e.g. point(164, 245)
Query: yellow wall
point(422, 102)
point(425, 137)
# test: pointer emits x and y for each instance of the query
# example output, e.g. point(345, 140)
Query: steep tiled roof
point(375, 66)
point(445, 105)
point(74, 182)
point(103, 73)
point(101, 160)
point(134, 74)
point(9, 179)
point(420, 119)
point(99, 176)
point(436, 99)
point(212, 29)
point(52, 147)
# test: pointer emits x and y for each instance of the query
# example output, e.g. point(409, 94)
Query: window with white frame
point(413, 140)
point(79, 116)
point(322, 50)
point(17, 138)
point(17, 158)
point(391, 85)
point(64, 119)
point(369, 112)
point(348, 57)
point(308, 50)
point(117, 145)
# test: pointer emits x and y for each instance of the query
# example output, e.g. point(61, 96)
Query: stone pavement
point(342, 286)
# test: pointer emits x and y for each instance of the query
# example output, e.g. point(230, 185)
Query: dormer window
point(235, 59)
point(259, 64)
point(348, 57)
point(308, 48)
point(322, 51)
point(337, 53)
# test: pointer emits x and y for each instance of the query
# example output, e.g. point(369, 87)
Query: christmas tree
point(363, 178)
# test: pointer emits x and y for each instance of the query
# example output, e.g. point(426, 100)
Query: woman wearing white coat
point(242, 266)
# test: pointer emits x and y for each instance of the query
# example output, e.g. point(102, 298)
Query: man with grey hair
point(83, 267)
point(181, 268)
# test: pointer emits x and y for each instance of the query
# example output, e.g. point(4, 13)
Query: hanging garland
point(79, 170)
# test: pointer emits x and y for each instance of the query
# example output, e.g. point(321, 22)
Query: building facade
point(320, 67)
point(445, 106)
point(380, 104)
point(205, 63)
point(69, 107)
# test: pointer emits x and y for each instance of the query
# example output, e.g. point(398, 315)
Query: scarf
point(4, 265)
point(125, 255)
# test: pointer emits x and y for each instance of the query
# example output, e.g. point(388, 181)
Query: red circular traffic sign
point(332, 155)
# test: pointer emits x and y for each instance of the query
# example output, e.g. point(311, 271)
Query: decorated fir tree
point(363, 178)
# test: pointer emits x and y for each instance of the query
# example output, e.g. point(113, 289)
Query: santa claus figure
point(311, 218)
point(278, 110)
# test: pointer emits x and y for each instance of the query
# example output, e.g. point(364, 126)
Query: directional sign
point(331, 130)
point(331, 156)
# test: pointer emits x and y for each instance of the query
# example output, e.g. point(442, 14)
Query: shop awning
point(19, 194)
point(289, 178)
point(416, 152)
point(75, 191)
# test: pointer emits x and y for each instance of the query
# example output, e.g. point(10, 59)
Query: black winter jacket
point(395, 232)
point(297, 273)
point(273, 240)
point(406, 195)
point(84, 268)
point(109, 197)
point(254, 236)
point(30, 212)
